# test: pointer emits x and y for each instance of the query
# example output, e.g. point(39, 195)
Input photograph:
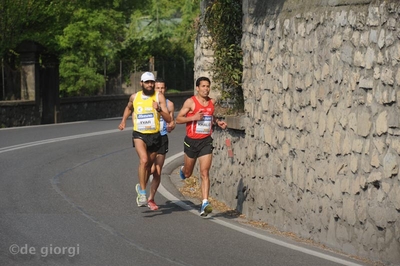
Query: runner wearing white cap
point(146, 108)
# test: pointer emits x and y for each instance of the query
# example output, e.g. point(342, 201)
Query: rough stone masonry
point(319, 153)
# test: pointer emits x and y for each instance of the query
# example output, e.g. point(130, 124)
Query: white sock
point(205, 200)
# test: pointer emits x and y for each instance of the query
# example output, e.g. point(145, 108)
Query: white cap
point(146, 76)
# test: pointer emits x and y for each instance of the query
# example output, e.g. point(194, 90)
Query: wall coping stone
point(235, 122)
point(16, 103)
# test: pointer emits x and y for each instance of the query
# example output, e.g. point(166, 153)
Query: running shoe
point(152, 205)
point(205, 209)
point(141, 199)
point(181, 174)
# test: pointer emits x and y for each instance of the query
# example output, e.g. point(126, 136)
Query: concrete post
point(40, 80)
point(49, 88)
point(29, 55)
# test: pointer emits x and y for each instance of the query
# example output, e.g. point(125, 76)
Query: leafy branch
point(223, 19)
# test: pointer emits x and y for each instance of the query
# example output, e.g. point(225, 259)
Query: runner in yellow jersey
point(146, 108)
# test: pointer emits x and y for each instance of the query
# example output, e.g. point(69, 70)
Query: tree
point(83, 34)
point(38, 21)
point(165, 31)
point(92, 36)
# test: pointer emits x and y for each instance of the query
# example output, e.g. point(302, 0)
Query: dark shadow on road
point(167, 208)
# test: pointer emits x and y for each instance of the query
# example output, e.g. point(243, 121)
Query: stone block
point(346, 145)
point(347, 53)
point(366, 83)
point(342, 233)
point(365, 165)
point(378, 215)
point(349, 214)
point(322, 124)
point(357, 145)
point(395, 144)
point(390, 164)
point(364, 124)
point(373, 36)
point(382, 123)
point(394, 197)
point(354, 163)
point(397, 79)
point(381, 39)
point(369, 58)
point(359, 59)
point(337, 41)
point(380, 58)
point(375, 161)
point(390, 39)
point(387, 76)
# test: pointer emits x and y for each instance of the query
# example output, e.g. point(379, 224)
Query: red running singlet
point(202, 128)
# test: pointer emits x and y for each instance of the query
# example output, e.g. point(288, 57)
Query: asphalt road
point(67, 197)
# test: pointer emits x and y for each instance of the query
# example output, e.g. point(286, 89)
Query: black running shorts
point(164, 145)
point(152, 141)
point(195, 148)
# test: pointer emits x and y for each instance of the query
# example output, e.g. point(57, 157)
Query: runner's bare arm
point(127, 112)
point(222, 124)
point(171, 108)
point(163, 108)
point(187, 107)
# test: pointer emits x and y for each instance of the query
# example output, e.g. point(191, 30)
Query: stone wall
point(90, 108)
point(203, 56)
point(25, 113)
point(18, 113)
point(319, 153)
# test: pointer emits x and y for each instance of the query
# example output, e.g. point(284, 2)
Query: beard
point(148, 92)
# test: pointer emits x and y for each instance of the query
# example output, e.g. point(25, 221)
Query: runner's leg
point(144, 162)
point(158, 164)
point(205, 165)
point(188, 166)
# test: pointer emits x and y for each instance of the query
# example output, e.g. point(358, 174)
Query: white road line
point(46, 125)
point(42, 142)
point(183, 205)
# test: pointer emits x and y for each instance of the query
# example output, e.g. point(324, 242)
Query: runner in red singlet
point(198, 114)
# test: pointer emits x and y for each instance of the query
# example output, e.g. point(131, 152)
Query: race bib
point(145, 122)
point(204, 126)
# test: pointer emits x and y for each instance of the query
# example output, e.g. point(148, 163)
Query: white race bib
point(145, 122)
point(204, 126)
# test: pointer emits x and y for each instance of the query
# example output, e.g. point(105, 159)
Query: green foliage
point(187, 29)
point(79, 78)
point(223, 19)
point(30, 20)
point(172, 91)
point(162, 30)
point(86, 33)
point(91, 37)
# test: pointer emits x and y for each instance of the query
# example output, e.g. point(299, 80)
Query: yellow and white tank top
point(146, 119)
